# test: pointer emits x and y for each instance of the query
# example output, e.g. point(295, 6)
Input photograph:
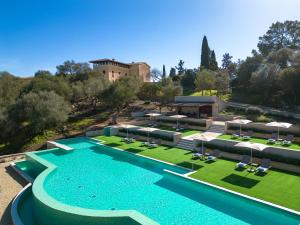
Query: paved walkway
point(10, 185)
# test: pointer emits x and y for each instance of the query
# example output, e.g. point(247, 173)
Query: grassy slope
point(261, 141)
point(210, 93)
point(276, 186)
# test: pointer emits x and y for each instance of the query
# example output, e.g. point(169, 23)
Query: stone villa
point(113, 69)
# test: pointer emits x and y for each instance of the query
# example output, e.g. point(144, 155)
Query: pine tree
point(172, 72)
point(180, 67)
point(213, 65)
point(164, 72)
point(205, 54)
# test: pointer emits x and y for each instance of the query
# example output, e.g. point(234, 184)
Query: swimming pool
point(94, 180)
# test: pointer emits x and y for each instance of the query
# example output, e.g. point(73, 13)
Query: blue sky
point(40, 34)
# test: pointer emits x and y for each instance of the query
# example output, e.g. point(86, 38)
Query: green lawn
point(279, 187)
point(259, 140)
point(212, 92)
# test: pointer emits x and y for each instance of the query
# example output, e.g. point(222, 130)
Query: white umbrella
point(206, 137)
point(153, 115)
point(126, 126)
point(255, 146)
point(278, 125)
point(178, 117)
point(241, 122)
point(148, 130)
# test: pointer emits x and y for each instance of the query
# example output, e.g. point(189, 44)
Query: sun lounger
point(197, 155)
point(244, 162)
point(235, 135)
point(146, 143)
point(131, 140)
point(248, 135)
point(152, 144)
point(264, 166)
point(273, 138)
point(288, 140)
point(214, 155)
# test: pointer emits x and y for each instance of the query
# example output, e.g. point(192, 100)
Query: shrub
point(254, 110)
point(263, 119)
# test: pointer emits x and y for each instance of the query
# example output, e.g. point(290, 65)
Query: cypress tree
point(164, 72)
point(213, 65)
point(205, 54)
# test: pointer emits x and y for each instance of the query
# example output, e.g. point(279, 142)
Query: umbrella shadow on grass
point(241, 181)
point(189, 165)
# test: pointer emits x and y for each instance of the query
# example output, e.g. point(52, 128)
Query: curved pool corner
point(46, 209)
point(17, 204)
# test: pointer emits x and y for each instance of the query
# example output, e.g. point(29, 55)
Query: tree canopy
point(280, 35)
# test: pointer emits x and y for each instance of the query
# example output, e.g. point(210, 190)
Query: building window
point(125, 74)
point(113, 74)
point(103, 71)
point(119, 73)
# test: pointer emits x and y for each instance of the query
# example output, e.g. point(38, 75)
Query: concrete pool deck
point(10, 185)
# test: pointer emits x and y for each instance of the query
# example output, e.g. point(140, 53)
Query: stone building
point(114, 70)
point(198, 106)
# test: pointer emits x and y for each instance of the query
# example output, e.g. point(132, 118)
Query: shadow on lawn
point(189, 165)
point(134, 150)
point(240, 181)
point(113, 144)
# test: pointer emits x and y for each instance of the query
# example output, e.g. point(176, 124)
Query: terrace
point(222, 173)
point(293, 146)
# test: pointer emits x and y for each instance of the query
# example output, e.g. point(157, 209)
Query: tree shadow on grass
point(134, 150)
point(240, 181)
point(189, 165)
point(113, 144)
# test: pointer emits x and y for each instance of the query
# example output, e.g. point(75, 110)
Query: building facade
point(198, 106)
point(114, 70)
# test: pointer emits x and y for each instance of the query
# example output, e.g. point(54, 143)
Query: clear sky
point(40, 34)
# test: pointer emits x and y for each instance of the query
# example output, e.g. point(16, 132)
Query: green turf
point(260, 140)
point(276, 186)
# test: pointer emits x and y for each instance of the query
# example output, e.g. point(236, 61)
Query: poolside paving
point(10, 185)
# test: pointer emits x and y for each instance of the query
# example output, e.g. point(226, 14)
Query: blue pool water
point(99, 177)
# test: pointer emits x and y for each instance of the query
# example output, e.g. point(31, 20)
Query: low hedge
point(258, 154)
point(201, 123)
point(244, 128)
point(145, 134)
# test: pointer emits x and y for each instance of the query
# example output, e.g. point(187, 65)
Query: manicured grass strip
point(276, 186)
point(261, 141)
